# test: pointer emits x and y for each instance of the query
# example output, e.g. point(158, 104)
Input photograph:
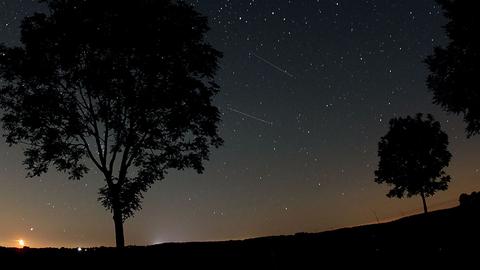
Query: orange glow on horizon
point(21, 243)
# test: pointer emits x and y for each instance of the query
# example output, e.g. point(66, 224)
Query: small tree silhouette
point(126, 84)
point(454, 68)
point(412, 156)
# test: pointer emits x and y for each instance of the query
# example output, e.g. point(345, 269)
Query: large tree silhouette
point(127, 85)
point(454, 68)
point(412, 156)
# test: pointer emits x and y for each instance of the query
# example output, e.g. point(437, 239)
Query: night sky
point(307, 90)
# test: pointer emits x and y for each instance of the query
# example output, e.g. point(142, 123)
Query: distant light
point(79, 249)
point(21, 243)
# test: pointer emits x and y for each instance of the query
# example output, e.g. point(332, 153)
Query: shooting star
point(284, 71)
point(251, 116)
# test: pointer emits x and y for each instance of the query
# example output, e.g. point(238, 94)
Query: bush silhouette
point(472, 200)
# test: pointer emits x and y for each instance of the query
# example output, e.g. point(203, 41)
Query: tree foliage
point(127, 85)
point(412, 156)
point(454, 68)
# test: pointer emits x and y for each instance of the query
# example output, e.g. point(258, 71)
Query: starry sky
point(307, 90)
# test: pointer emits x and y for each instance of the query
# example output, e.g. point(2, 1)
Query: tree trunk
point(118, 220)
point(424, 203)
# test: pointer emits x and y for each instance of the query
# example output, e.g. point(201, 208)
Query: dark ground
point(445, 236)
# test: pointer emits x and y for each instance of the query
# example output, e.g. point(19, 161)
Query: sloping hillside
point(437, 236)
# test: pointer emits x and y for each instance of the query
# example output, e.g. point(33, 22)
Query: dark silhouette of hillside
point(432, 238)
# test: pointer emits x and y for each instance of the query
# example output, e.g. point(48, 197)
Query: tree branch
point(106, 134)
point(97, 133)
point(135, 148)
point(90, 154)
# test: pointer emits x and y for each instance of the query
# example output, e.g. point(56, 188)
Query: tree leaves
point(454, 68)
point(412, 156)
point(128, 85)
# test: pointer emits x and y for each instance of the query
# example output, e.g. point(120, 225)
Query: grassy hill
point(438, 236)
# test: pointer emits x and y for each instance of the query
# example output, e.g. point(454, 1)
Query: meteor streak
point(251, 116)
point(284, 71)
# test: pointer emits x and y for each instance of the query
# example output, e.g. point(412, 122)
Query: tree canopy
point(455, 67)
point(128, 85)
point(413, 155)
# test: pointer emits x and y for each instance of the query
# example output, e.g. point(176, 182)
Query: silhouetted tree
point(454, 68)
point(412, 156)
point(126, 84)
